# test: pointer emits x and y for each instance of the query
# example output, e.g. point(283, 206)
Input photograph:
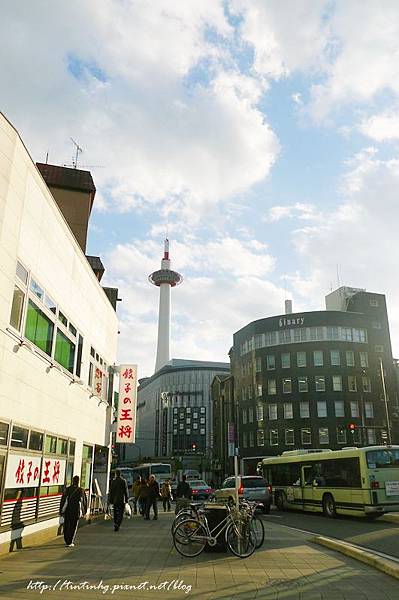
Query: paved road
point(287, 567)
point(377, 535)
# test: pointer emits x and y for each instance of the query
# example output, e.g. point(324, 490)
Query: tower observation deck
point(165, 278)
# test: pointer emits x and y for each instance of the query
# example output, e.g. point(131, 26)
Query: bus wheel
point(329, 508)
point(281, 501)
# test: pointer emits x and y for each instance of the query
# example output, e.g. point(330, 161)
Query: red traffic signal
point(193, 446)
point(352, 427)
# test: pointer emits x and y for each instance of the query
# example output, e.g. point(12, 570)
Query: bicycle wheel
point(240, 539)
point(189, 538)
point(258, 529)
point(181, 516)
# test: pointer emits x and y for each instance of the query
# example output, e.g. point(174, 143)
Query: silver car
point(251, 487)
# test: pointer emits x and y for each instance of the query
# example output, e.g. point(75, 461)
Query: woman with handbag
point(118, 496)
point(73, 503)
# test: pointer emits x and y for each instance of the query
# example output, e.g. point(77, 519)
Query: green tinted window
point(39, 328)
point(64, 351)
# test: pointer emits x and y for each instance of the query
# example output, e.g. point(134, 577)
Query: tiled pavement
point(287, 567)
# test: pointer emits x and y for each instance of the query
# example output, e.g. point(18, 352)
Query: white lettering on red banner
point(126, 423)
point(23, 470)
point(53, 471)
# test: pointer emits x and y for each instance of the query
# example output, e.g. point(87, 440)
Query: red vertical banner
point(127, 404)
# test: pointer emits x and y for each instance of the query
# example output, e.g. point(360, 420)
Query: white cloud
point(299, 210)
point(147, 95)
point(382, 127)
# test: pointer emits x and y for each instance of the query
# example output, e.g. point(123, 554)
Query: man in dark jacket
point(183, 494)
point(153, 493)
point(73, 501)
point(118, 496)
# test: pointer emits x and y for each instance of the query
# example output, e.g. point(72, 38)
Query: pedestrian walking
point(118, 496)
point(143, 496)
point(183, 494)
point(152, 499)
point(73, 505)
point(136, 493)
point(166, 494)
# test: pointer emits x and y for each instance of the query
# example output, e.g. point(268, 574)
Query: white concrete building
point(58, 337)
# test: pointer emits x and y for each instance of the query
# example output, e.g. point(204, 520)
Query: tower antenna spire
point(165, 279)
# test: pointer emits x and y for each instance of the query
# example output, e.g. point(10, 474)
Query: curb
point(390, 518)
point(385, 565)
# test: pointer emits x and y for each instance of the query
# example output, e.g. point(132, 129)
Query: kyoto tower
point(164, 279)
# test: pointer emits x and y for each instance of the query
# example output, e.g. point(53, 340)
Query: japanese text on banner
point(126, 423)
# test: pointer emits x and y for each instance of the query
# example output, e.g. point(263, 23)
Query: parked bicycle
point(190, 536)
point(256, 523)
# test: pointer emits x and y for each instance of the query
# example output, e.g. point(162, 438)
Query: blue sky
point(261, 137)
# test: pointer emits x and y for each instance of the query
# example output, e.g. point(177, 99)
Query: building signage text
point(127, 405)
point(28, 471)
point(291, 321)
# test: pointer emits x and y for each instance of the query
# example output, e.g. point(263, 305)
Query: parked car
point(251, 487)
point(200, 489)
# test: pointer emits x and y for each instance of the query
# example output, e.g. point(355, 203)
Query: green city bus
point(351, 481)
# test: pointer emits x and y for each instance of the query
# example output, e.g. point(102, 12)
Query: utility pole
point(385, 400)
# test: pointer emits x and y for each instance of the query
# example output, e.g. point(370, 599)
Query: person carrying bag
point(73, 505)
point(118, 496)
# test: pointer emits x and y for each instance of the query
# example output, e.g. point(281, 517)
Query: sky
point(261, 137)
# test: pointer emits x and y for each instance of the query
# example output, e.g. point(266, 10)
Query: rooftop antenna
point(79, 150)
point(338, 281)
point(47, 157)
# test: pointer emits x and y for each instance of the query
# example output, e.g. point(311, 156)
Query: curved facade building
point(301, 380)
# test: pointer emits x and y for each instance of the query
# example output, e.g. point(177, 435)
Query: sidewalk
point(287, 567)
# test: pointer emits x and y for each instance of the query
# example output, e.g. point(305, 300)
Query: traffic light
point(352, 428)
point(193, 447)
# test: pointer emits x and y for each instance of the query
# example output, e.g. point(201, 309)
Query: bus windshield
point(157, 469)
point(377, 459)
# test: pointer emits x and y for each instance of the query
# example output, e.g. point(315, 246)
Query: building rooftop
point(67, 178)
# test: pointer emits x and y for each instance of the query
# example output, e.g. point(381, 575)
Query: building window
point(335, 358)
point(271, 387)
point(250, 392)
point(373, 302)
point(371, 437)
point(181, 426)
point(50, 445)
point(304, 412)
point(272, 412)
point(188, 431)
point(251, 439)
point(354, 409)
point(260, 437)
point(320, 383)
point(303, 384)
point(258, 364)
point(366, 383)
point(346, 334)
point(352, 387)
point(188, 420)
point(321, 408)
point(244, 416)
point(350, 358)
point(288, 412)
point(270, 362)
point(259, 412)
point(364, 360)
point(202, 431)
point(17, 308)
point(259, 389)
point(202, 420)
point(19, 437)
point(245, 439)
point(39, 328)
point(64, 351)
point(323, 436)
point(250, 415)
point(306, 436)
point(318, 358)
point(274, 437)
point(285, 360)
point(339, 408)
point(202, 409)
point(341, 435)
point(337, 383)
point(287, 386)
point(301, 359)
point(175, 432)
point(369, 410)
point(289, 437)
point(4, 427)
point(378, 348)
point(195, 425)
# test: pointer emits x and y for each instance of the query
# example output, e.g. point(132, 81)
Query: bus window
point(380, 459)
